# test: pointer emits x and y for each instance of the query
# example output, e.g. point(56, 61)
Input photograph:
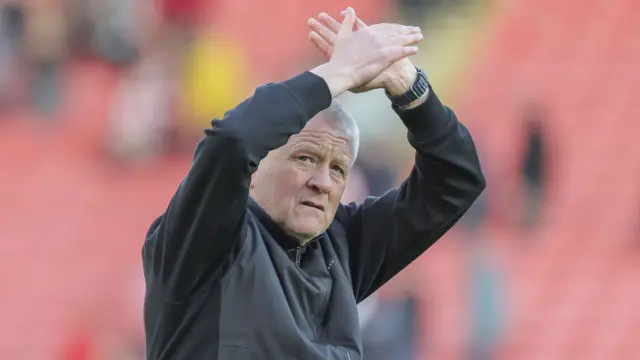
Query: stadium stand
point(572, 291)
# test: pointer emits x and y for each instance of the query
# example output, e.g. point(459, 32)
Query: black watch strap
point(419, 88)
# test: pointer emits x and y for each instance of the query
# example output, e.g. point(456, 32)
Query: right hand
point(360, 56)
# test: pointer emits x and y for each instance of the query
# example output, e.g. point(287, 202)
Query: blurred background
point(102, 102)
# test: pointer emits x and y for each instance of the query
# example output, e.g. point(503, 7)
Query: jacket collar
point(286, 241)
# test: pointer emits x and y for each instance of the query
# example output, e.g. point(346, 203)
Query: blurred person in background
point(147, 114)
point(534, 166)
point(415, 11)
point(46, 50)
point(118, 29)
point(190, 47)
point(140, 112)
point(11, 41)
point(114, 31)
point(357, 188)
point(389, 327)
point(12, 20)
point(390, 320)
point(487, 311)
point(213, 78)
point(141, 108)
point(380, 176)
point(485, 281)
point(81, 27)
point(255, 257)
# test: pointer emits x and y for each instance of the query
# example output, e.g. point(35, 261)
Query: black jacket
point(224, 282)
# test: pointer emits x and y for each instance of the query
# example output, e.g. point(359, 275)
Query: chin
point(308, 231)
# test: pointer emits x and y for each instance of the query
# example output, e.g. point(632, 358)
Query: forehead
point(324, 135)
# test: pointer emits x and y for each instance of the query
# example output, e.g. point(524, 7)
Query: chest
point(290, 300)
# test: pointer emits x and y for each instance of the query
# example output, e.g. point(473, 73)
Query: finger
point(406, 40)
point(407, 30)
point(347, 24)
point(331, 23)
point(321, 44)
point(395, 29)
point(396, 53)
point(360, 24)
point(328, 35)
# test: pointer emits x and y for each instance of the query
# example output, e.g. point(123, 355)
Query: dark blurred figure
point(13, 22)
point(485, 283)
point(117, 33)
point(379, 175)
point(534, 166)
point(487, 311)
point(11, 36)
point(415, 11)
point(81, 28)
point(46, 36)
point(143, 102)
point(389, 327)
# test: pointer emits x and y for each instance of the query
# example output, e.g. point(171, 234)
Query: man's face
point(300, 184)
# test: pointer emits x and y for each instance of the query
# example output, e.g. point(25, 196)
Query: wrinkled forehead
point(325, 135)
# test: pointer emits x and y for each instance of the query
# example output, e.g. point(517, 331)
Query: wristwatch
point(419, 88)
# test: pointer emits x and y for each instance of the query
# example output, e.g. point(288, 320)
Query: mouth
point(313, 205)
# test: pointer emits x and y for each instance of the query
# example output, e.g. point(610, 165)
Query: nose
point(321, 181)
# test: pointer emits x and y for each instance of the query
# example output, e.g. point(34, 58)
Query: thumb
point(347, 24)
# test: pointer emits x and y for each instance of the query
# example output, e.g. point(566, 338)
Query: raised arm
point(190, 241)
point(386, 234)
point(202, 225)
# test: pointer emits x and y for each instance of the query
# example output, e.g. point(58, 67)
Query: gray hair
point(341, 119)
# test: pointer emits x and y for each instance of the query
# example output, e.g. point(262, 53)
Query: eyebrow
point(341, 157)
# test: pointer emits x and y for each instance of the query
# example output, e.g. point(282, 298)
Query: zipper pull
point(298, 255)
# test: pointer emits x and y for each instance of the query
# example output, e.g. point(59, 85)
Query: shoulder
point(344, 214)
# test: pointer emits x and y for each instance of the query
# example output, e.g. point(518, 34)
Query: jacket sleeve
point(203, 223)
point(386, 234)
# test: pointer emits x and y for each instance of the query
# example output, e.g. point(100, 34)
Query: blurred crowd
point(162, 59)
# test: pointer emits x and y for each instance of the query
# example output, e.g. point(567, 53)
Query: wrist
point(337, 81)
point(402, 82)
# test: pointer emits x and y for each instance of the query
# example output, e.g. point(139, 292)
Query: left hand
point(396, 79)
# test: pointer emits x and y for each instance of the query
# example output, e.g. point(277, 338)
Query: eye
point(305, 158)
point(339, 170)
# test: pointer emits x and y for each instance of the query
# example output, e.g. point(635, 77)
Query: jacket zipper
point(346, 353)
point(298, 255)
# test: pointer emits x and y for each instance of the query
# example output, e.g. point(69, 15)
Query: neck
point(286, 240)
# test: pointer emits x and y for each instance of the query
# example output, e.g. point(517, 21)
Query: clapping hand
point(362, 60)
point(396, 78)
